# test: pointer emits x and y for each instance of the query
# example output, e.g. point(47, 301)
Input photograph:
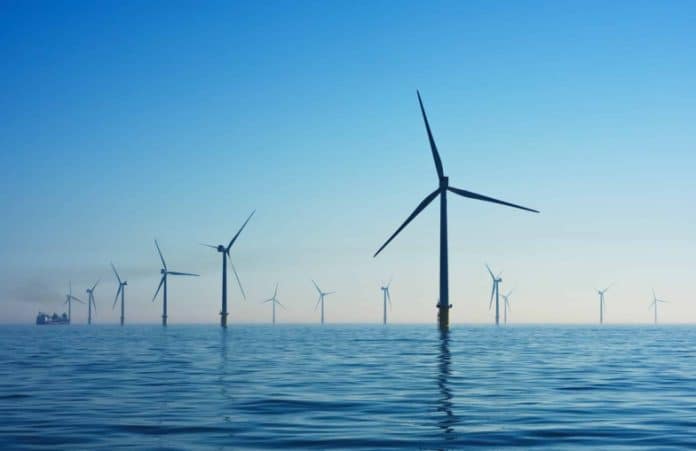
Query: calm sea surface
point(369, 387)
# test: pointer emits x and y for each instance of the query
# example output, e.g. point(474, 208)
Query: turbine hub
point(162, 271)
point(444, 182)
point(221, 248)
point(125, 283)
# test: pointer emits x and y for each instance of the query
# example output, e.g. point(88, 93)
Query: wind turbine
point(68, 300)
point(495, 291)
point(506, 304)
point(90, 302)
point(322, 295)
point(121, 290)
point(442, 189)
point(602, 304)
point(166, 272)
point(274, 300)
point(225, 251)
point(654, 303)
point(387, 297)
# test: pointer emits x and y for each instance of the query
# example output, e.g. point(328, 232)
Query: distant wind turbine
point(121, 290)
point(225, 251)
point(602, 304)
point(90, 302)
point(442, 189)
point(387, 297)
point(166, 272)
point(68, 300)
point(274, 300)
point(495, 291)
point(506, 304)
point(322, 295)
point(654, 303)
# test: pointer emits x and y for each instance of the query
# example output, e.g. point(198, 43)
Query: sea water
point(347, 387)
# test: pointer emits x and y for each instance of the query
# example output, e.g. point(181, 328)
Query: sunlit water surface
point(370, 387)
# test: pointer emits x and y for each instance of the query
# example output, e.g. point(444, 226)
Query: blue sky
point(125, 121)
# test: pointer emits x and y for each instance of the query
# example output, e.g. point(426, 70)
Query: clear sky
point(125, 121)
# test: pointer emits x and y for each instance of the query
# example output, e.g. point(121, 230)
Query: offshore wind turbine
point(441, 191)
point(506, 304)
point(90, 302)
point(274, 300)
point(387, 297)
point(495, 291)
point(654, 303)
point(322, 295)
point(121, 290)
point(225, 251)
point(166, 272)
point(602, 304)
point(68, 300)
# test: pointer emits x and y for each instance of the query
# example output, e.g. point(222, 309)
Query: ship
point(43, 319)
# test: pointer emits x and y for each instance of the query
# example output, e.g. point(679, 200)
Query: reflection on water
point(448, 419)
point(347, 387)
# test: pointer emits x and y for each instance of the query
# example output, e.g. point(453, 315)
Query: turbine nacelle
point(163, 271)
point(221, 248)
point(444, 183)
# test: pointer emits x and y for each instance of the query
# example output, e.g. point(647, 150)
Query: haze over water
point(331, 387)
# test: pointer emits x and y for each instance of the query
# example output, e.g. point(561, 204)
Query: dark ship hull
point(44, 319)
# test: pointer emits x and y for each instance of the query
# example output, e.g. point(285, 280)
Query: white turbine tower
point(506, 305)
point(68, 300)
point(387, 298)
point(322, 295)
point(163, 283)
point(602, 304)
point(122, 291)
point(654, 303)
point(274, 300)
point(90, 302)
point(495, 291)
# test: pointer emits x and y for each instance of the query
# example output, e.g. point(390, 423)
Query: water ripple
point(305, 387)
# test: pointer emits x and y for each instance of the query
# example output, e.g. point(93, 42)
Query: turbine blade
point(175, 273)
point(317, 304)
point(116, 298)
point(433, 147)
point(275, 292)
point(490, 272)
point(317, 287)
point(227, 249)
point(77, 299)
point(267, 300)
point(95, 285)
point(389, 299)
point(473, 195)
point(278, 302)
point(418, 209)
point(158, 288)
point(94, 304)
point(116, 272)
point(239, 282)
point(164, 265)
point(208, 245)
point(490, 304)
point(330, 292)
